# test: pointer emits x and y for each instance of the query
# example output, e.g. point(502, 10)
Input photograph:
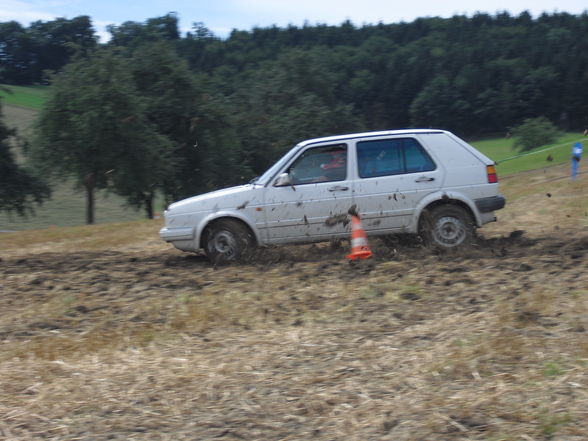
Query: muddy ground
point(147, 343)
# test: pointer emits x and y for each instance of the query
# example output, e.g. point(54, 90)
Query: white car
point(427, 182)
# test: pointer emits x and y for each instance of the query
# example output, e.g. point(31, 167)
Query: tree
point(17, 54)
point(534, 132)
point(433, 105)
point(142, 171)
point(20, 189)
point(27, 53)
point(204, 148)
point(93, 128)
point(58, 41)
point(289, 100)
point(133, 34)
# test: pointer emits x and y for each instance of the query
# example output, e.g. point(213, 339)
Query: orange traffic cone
point(359, 244)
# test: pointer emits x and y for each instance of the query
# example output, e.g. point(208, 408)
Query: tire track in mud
point(82, 291)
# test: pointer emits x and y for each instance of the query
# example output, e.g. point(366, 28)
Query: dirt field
point(132, 340)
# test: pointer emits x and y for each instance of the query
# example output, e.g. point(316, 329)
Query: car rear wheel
point(447, 226)
point(227, 241)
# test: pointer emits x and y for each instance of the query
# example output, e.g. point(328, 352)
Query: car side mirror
point(283, 180)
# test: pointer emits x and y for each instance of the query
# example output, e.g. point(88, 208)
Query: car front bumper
point(176, 234)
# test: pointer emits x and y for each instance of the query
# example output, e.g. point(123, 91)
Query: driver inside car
point(320, 165)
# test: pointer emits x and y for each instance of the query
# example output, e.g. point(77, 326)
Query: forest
point(202, 112)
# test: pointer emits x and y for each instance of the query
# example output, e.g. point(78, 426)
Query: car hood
point(228, 198)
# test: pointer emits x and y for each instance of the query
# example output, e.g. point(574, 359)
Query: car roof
point(368, 135)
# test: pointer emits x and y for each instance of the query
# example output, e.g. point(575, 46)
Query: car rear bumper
point(490, 204)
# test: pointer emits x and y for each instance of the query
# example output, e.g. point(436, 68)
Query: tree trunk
point(90, 184)
point(149, 205)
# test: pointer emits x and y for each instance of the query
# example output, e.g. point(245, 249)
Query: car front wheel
point(447, 226)
point(227, 241)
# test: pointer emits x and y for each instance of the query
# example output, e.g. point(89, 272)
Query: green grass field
point(511, 161)
point(32, 97)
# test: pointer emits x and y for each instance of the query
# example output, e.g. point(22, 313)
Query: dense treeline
point(229, 107)
point(476, 75)
point(28, 55)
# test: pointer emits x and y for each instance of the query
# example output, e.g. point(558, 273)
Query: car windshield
point(274, 169)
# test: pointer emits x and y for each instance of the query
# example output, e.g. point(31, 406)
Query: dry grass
point(105, 335)
point(545, 200)
point(139, 235)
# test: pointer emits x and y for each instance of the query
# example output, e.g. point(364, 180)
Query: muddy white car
point(426, 182)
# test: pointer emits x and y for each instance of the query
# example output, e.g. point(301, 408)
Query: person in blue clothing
point(577, 150)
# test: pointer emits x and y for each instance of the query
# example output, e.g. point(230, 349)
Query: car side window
point(392, 157)
point(320, 164)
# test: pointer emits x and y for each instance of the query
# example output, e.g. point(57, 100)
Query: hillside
point(67, 204)
point(108, 333)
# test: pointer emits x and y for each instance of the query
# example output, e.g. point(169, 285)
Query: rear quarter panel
point(464, 166)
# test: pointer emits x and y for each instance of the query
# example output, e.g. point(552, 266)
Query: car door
point(310, 202)
point(393, 175)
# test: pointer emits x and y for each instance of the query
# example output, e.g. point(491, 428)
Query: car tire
point(447, 226)
point(227, 241)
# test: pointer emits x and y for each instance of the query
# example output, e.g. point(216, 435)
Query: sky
point(222, 16)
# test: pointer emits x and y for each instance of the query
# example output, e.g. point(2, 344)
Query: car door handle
point(339, 188)
point(425, 179)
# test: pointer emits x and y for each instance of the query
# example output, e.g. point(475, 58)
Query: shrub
point(534, 132)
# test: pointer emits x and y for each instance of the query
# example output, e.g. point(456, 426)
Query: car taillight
point(492, 176)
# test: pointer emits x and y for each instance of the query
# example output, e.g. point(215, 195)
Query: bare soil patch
point(19, 118)
point(142, 342)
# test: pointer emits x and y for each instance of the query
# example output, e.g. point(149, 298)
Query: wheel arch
point(209, 222)
point(430, 203)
